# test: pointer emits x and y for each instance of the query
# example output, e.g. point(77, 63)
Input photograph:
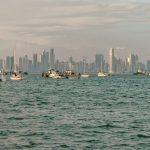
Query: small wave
point(143, 136)
point(109, 126)
point(64, 146)
point(92, 141)
point(16, 118)
point(7, 132)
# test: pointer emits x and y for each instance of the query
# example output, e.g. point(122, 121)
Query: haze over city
point(75, 27)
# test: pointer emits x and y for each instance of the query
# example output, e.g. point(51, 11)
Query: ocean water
point(110, 113)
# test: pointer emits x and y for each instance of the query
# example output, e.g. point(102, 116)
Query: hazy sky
point(75, 27)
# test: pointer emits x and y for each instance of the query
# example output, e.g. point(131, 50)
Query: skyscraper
point(35, 62)
point(52, 58)
point(99, 62)
point(71, 63)
point(25, 63)
point(20, 64)
point(133, 63)
point(1, 64)
point(9, 63)
point(148, 65)
point(111, 60)
point(45, 61)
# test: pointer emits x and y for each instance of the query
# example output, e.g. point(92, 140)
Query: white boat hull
point(18, 77)
point(55, 76)
point(102, 74)
point(13, 78)
point(84, 75)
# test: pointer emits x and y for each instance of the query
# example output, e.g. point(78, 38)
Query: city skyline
point(89, 59)
point(75, 27)
point(48, 59)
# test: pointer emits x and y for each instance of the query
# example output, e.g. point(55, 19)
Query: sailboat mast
point(14, 61)
point(84, 63)
point(102, 61)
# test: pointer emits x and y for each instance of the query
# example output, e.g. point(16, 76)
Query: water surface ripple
point(94, 113)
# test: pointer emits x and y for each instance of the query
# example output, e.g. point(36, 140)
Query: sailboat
point(15, 75)
point(101, 73)
point(84, 74)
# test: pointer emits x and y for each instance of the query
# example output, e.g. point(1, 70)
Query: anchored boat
point(51, 73)
point(15, 75)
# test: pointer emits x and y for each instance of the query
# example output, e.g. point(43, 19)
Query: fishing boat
point(15, 75)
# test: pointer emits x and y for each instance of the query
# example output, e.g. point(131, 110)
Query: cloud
point(49, 21)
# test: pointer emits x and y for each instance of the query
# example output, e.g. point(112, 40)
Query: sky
point(75, 27)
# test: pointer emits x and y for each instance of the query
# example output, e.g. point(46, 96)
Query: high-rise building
point(99, 62)
point(30, 66)
point(92, 67)
point(20, 64)
point(111, 60)
point(1, 64)
point(133, 63)
point(71, 63)
point(25, 64)
point(52, 58)
point(45, 61)
point(35, 61)
point(148, 65)
point(9, 63)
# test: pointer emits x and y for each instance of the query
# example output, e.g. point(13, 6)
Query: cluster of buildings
point(47, 60)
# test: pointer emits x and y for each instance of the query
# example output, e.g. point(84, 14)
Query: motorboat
point(51, 73)
point(69, 74)
point(140, 72)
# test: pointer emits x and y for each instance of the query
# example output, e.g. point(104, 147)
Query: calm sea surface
point(95, 113)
